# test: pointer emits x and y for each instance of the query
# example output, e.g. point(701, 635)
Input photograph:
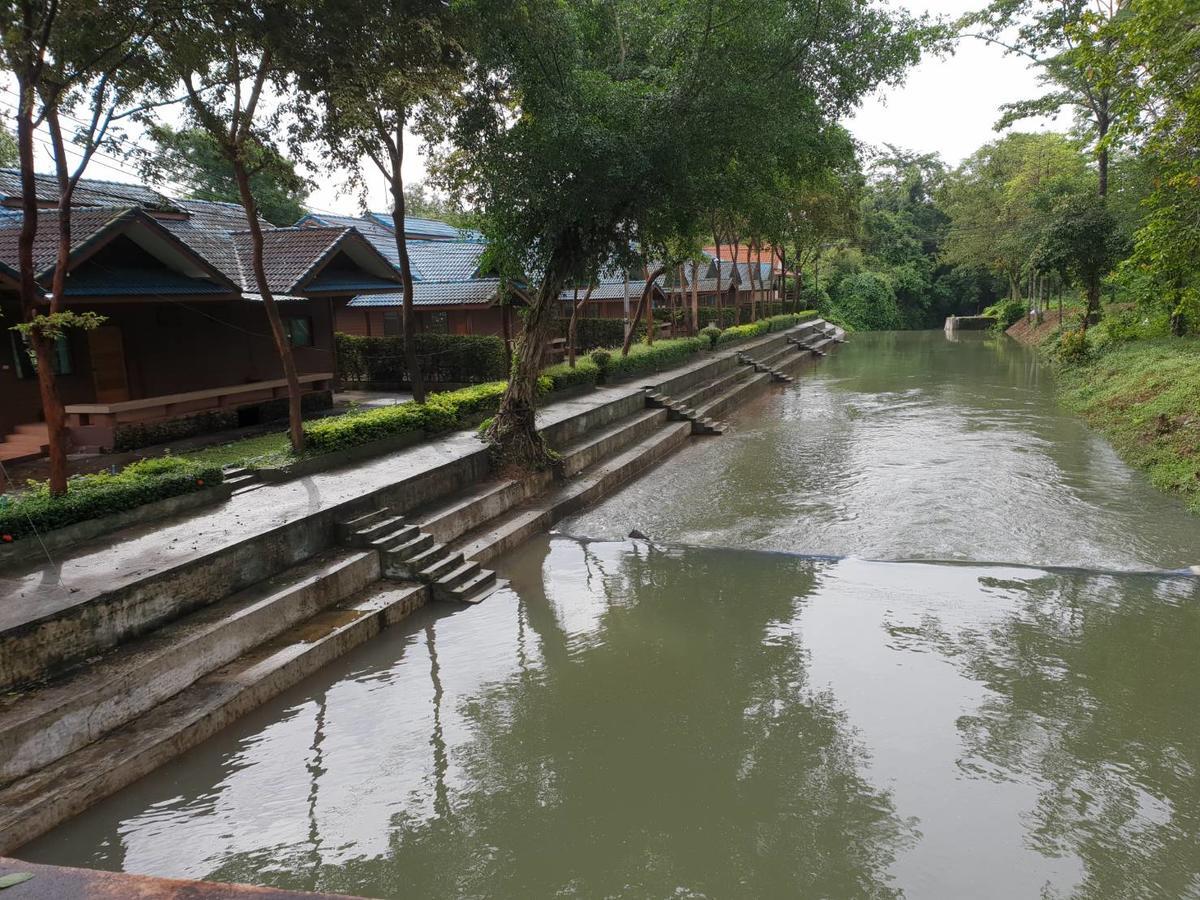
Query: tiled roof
point(289, 255)
point(429, 229)
point(472, 292)
point(445, 260)
point(86, 225)
point(89, 192)
point(608, 290)
point(93, 224)
point(381, 238)
point(762, 274)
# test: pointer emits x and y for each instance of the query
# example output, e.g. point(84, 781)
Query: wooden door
point(107, 350)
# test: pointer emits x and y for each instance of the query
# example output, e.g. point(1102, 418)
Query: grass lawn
point(1145, 397)
point(264, 451)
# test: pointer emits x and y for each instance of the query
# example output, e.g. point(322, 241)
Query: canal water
point(905, 631)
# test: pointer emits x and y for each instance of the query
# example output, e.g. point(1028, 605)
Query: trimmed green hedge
point(763, 326)
point(647, 358)
point(93, 496)
point(455, 358)
point(562, 376)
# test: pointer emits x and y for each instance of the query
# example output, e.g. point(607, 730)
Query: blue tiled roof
point(428, 228)
point(472, 292)
point(445, 260)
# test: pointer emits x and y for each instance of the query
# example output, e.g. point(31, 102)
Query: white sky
point(947, 105)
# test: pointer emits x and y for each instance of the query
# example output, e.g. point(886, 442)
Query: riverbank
point(1142, 394)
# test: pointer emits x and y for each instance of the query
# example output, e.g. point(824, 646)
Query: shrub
point(741, 332)
point(653, 358)
point(456, 358)
point(1007, 313)
point(722, 318)
point(1072, 347)
point(712, 334)
point(93, 496)
point(601, 358)
point(562, 376)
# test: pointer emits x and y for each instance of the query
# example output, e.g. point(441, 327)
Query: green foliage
point(867, 302)
point(721, 317)
point(443, 357)
point(601, 358)
point(1007, 312)
point(93, 496)
point(593, 333)
point(441, 412)
point(1143, 396)
point(562, 376)
point(8, 149)
point(53, 326)
point(193, 157)
point(713, 333)
point(660, 355)
point(1072, 346)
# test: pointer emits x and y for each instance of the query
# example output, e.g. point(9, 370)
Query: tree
point(559, 141)
point(9, 155)
point(1081, 241)
point(82, 57)
point(226, 53)
point(1001, 197)
point(424, 201)
point(370, 74)
point(192, 157)
point(1068, 42)
point(1157, 49)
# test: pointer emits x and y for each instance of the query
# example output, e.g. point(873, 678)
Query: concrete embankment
point(126, 651)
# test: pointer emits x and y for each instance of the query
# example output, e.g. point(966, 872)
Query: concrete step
point(344, 528)
point(598, 444)
point(412, 547)
point(400, 535)
point(718, 405)
point(486, 584)
point(442, 565)
point(717, 386)
point(538, 515)
point(466, 510)
point(38, 430)
point(455, 578)
point(37, 802)
point(45, 723)
point(378, 527)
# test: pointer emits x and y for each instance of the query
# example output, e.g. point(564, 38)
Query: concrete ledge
point(311, 465)
point(18, 553)
point(62, 883)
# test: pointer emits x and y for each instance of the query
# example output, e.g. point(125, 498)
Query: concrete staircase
point(24, 443)
point(410, 554)
point(776, 375)
point(680, 411)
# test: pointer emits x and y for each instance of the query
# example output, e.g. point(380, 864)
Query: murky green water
point(650, 721)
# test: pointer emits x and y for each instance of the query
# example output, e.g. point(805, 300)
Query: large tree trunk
point(52, 407)
point(695, 299)
point(573, 324)
point(295, 413)
point(720, 293)
point(515, 440)
point(408, 317)
point(643, 304)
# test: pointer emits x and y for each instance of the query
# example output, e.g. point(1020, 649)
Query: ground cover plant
point(36, 510)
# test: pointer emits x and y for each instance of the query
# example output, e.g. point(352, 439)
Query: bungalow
point(452, 292)
point(185, 345)
point(614, 296)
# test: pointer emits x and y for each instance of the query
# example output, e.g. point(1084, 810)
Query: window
point(299, 331)
point(439, 322)
point(26, 362)
point(393, 326)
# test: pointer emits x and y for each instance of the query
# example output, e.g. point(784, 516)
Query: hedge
point(93, 496)
point(562, 376)
point(647, 358)
point(455, 358)
point(763, 326)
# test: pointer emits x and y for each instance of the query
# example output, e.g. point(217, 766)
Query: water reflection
point(631, 720)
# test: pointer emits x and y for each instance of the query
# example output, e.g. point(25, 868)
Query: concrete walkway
point(78, 575)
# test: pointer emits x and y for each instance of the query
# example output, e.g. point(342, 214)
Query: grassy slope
point(1145, 397)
